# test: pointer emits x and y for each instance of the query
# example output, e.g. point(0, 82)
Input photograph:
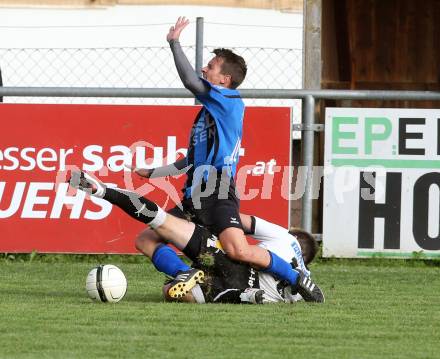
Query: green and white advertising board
point(382, 183)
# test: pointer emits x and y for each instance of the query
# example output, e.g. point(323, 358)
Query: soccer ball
point(106, 283)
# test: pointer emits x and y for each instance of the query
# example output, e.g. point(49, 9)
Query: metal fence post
point(308, 134)
point(199, 47)
point(1, 84)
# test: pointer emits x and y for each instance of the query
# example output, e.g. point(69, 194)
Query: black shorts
point(222, 273)
point(214, 214)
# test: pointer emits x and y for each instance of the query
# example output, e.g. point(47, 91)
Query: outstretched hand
point(175, 30)
point(143, 172)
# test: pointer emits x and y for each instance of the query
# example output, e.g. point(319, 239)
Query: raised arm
point(189, 77)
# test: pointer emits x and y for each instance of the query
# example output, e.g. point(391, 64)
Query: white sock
point(160, 218)
point(197, 293)
point(100, 187)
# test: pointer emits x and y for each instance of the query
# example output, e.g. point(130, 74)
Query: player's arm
point(189, 77)
point(174, 169)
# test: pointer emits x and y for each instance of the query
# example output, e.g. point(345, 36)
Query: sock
point(167, 261)
point(282, 269)
point(136, 206)
point(197, 293)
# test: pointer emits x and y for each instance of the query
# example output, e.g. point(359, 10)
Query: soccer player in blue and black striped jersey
point(209, 194)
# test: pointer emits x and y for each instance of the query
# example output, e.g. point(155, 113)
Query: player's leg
point(178, 232)
point(228, 281)
point(236, 246)
point(164, 259)
point(195, 295)
point(275, 239)
point(240, 296)
point(167, 227)
point(232, 238)
point(147, 242)
point(278, 239)
point(234, 242)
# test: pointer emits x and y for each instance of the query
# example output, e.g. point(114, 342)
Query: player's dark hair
point(233, 65)
point(309, 246)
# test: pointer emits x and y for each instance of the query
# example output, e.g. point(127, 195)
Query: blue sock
point(167, 261)
point(281, 269)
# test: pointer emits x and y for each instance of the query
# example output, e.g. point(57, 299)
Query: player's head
point(309, 246)
point(226, 69)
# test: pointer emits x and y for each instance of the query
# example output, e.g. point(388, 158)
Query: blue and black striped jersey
point(215, 138)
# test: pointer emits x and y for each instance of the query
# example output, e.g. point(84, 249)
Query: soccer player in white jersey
point(294, 246)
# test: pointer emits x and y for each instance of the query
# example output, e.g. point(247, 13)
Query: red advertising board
point(38, 211)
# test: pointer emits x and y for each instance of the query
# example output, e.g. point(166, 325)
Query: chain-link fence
point(132, 67)
point(149, 67)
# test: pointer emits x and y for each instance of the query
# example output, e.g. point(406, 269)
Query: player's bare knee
point(139, 243)
point(146, 242)
point(235, 245)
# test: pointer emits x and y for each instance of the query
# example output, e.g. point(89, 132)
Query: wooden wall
point(381, 44)
point(378, 45)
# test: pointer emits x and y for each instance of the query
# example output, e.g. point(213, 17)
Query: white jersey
point(279, 241)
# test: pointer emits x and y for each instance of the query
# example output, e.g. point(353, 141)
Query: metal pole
point(1, 84)
point(95, 92)
point(308, 136)
point(245, 93)
point(199, 47)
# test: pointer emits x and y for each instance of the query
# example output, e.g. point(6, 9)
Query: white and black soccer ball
point(106, 283)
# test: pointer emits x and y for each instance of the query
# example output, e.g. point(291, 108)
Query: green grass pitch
point(374, 309)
